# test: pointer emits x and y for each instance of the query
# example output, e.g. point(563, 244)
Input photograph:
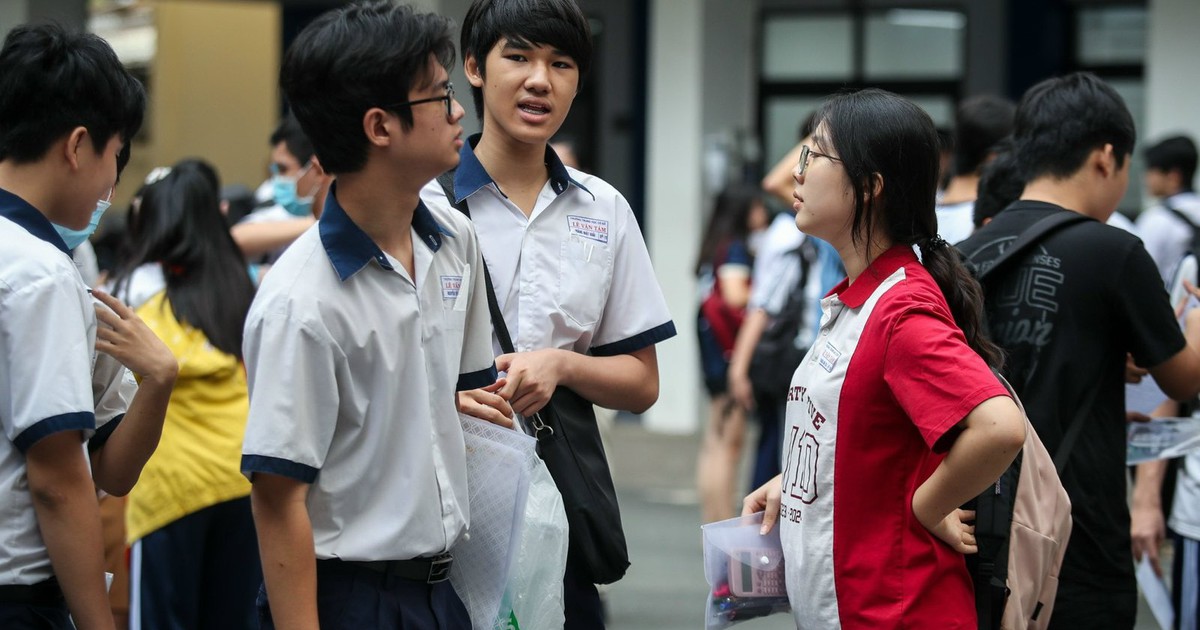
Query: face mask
point(75, 238)
point(284, 190)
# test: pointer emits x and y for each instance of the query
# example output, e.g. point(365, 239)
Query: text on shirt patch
point(829, 357)
point(587, 227)
point(451, 285)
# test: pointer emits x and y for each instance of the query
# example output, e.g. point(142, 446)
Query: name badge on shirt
point(829, 357)
point(587, 227)
point(451, 286)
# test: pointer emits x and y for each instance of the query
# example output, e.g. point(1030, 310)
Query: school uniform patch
point(829, 357)
point(587, 227)
point(451, 285)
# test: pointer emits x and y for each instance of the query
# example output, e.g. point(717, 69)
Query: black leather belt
point(428, 570)
point(44, 593)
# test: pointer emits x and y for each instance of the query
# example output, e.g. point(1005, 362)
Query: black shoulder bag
point(776, 356)
point(569, 442)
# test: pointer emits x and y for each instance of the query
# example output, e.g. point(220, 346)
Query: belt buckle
point(439, 569)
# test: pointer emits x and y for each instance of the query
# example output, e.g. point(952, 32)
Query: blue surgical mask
point(284, 189)
point(75, 238)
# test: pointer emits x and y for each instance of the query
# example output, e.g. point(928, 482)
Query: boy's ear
point(1105, 160)
point(375, 128)
point(71, 147)
point(471, 69)
point(316, 165)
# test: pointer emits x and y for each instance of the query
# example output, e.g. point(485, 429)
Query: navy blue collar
point(471, 176)
point(19, 211)
point(350, 249)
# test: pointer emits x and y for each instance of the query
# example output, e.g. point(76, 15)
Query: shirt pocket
point(584, 276)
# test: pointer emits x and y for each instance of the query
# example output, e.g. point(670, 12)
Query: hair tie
point(934, 244)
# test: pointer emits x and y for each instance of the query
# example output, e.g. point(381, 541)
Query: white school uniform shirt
point(955, 221)
point(51, 378)
point(775, 267)
point(353, 369)
point(574, 274)
point(1165, 235)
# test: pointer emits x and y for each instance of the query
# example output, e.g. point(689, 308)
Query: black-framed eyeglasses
point(806, 152)
point(449, 98)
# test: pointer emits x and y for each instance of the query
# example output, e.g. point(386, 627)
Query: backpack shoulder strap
point(446, 180)
point(1181, 214)
point(1030, 237)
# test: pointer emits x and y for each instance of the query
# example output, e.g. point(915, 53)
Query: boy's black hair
point(1061, 120)
point(1177, 153)
point(557, 23)
point(350, 59)
point(1000, 184)
point(292, 136)
point(52, 81)
point(981, 122)
point(179, 226)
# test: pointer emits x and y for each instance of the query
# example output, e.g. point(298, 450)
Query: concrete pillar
point(1172, 94)
point(673, 197)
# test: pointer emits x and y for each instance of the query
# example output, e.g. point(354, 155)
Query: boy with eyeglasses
point(566, 256)
point(360, 337)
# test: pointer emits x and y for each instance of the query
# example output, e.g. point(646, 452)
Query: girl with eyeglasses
point(894, 418)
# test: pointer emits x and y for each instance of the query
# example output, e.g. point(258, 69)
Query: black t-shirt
point(1066, 314)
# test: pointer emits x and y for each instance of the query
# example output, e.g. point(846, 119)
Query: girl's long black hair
point(179, 225)
point(881, 136)
point(730, 219)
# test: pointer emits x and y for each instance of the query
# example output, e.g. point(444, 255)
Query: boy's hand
point(1147, 531)
point(765, 499)
point(484, 403)
point(532, 378)
point(126, 338)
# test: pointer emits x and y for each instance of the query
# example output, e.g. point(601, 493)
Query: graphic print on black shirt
point(1066, 313)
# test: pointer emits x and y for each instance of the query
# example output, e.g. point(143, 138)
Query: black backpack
point(777, 356)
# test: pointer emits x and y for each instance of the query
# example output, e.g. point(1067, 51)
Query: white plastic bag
point(534, 598)
point(744, 570)
point(497, 488)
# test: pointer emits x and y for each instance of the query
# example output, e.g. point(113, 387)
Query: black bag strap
point(1027, 239)
point(1182, 215)
point(1188, 220)
point(447, 182)
point(1030, 237)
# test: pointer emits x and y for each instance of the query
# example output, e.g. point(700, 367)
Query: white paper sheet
point(1156, 594)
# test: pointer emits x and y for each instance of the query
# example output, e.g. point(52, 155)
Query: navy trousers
point(581, 600)
point(32, 617)
point(200, 572)
point(350, 597)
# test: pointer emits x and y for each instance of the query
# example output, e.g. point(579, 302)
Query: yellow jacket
point(197, 461)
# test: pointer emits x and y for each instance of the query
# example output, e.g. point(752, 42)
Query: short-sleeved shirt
point(575, 274)
point(775, 269)
point(955, 221)
point(47, 361)
point(1066, 314)
point(890, 373)
point(1167, 236)
point(353, 368)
